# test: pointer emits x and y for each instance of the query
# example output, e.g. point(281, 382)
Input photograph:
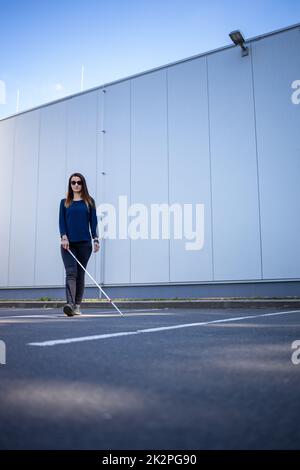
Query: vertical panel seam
point(130, 157)
point(104, 91)
point(210, 175)
point(11, 199)
point(100, 156)
point(66, 152)
point(257, 167)
point(96, 165)
point(37, 199)
point(168, 168)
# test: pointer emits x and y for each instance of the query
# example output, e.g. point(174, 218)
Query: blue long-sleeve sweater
point(75, 220)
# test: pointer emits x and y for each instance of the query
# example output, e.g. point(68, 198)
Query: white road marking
point(154, 330)
point(84, 315)
point(16, 309)
point(26, 316)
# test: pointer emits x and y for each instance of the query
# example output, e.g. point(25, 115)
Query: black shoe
point(68, 310)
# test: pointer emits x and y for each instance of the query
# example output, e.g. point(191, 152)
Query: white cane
point(96, 283)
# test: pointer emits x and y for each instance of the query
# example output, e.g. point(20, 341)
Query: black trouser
point(74, 272)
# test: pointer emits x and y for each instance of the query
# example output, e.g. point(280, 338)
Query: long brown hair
point(84, 192)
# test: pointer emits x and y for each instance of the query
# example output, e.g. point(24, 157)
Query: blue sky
point(44, 43)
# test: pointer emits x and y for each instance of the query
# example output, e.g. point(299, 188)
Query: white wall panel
point(6, 172)
point(51, 189)
point(189, 164)
point(24, 200)
point(116, 180)
point(236, 236)
point(276, 64)
point(100, 184)
point(219, 130)
point(149, 171)
point(82, 148)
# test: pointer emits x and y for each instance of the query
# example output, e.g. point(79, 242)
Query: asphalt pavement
point(153, 379)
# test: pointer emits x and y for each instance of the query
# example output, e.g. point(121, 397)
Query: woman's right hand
point(65, 243)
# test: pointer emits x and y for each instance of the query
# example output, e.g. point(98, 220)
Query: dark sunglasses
point(76, 182)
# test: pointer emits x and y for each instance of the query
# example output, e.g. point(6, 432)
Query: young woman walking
point(77, 214)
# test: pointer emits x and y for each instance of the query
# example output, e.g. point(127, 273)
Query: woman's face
point(78, 186)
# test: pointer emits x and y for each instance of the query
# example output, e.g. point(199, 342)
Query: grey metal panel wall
point(236, 234)
point(6, 171)
point(82, 147)
point(276, 64)
point(52, 177)
point(100, 183)
point(189, 163)
point(24, 201)
point(116, 181)
point(162, 127)
point(149, 171)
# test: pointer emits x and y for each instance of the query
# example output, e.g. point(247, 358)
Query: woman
point(77, 213)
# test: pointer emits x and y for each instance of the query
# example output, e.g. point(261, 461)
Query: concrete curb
point(193, 303)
